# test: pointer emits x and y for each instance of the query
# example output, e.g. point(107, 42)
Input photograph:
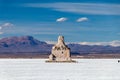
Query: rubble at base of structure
point(60, 52)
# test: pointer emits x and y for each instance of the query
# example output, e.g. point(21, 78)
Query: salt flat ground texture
point(37, 69)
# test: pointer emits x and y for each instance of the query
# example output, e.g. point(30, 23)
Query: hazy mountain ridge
point(86, 49)
point(23, 44)
point(27, 44)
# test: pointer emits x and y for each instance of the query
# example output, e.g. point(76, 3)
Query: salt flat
point(37, 69)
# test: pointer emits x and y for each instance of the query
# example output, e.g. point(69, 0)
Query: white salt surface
point(37, 69)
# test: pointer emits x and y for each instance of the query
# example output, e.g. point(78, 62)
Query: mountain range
point(28, 44)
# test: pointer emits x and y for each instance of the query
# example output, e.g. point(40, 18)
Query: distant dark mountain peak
point(19, 41)
point(14, 38)
point(22, 44)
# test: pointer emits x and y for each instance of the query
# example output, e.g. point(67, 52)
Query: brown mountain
point(24, 44)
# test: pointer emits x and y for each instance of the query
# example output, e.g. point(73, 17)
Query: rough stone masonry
point(60, 52)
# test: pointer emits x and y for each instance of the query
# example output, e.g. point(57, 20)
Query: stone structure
point(60, 52)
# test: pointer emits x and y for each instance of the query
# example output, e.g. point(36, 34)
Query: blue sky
point(77, 20)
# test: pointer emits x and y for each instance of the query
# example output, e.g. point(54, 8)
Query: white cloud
point(1, 32)
point(0, 27)
point(7, 24)
point(82, 8)
point(62, 19)
point(82, 19)
point(51, 42)
point(114, 43)
point(94, 43)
